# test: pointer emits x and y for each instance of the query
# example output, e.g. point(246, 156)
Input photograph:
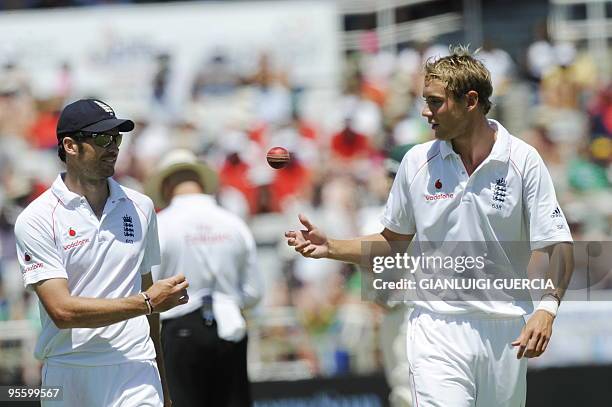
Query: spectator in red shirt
point(234, 173)
point(294, 180)
point(348, 144)
point(42, 131)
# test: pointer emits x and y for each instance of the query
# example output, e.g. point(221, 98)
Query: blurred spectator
point(364, 108)
point(411, 130)
point(161, 79)
point(585, 175)
point(304, 128)
point(559, 87)
point(543, 55)
point(17, 108)
point(429, 47)
point(540, 53)
point(42, 132)
point(234, 173)
point(601, 112)
point(291, 182)
point(272, 98)
point(65, 82)
point(348, 144)
point(500, 65)
point(552, 155)
point(149, 145)
point(216, 77)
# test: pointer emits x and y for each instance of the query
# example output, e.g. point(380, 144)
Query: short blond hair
point(461, 73)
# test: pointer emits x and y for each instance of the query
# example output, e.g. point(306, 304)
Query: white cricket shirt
point(59, 236)
point(509, 198)
point(212, 247)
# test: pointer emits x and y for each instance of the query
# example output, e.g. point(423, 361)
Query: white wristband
point(148, 302)
point(549, 305)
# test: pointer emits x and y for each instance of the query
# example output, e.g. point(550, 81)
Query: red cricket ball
point(278, 157)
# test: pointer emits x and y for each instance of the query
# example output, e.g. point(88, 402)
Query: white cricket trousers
point(130, 384)
point(465, 361)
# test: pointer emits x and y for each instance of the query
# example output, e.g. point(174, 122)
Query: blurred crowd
point(313, 319)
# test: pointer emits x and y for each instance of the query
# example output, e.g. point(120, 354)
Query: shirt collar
point(446, 149)
point(61, 191)
point(500, 150)
point(116, 192)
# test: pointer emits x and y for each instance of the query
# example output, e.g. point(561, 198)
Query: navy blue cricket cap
point(91, 115)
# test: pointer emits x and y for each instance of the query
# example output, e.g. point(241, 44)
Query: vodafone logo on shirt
point(72, 234)
point(76, 243)
point(33, 267)
point(436, 197)
point(28, 258)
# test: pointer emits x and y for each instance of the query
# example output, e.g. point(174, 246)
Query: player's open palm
point(168, 293)
point(309, 242)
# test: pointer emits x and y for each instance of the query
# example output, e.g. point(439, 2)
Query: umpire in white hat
point(205, 342)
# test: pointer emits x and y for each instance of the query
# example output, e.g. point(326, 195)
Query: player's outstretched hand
point(309, 242)
point(534, 338)
point(168, 293)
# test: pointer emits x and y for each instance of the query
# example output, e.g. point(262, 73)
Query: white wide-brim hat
point(178, 160)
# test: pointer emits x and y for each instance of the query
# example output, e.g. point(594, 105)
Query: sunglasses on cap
point(103, 139)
